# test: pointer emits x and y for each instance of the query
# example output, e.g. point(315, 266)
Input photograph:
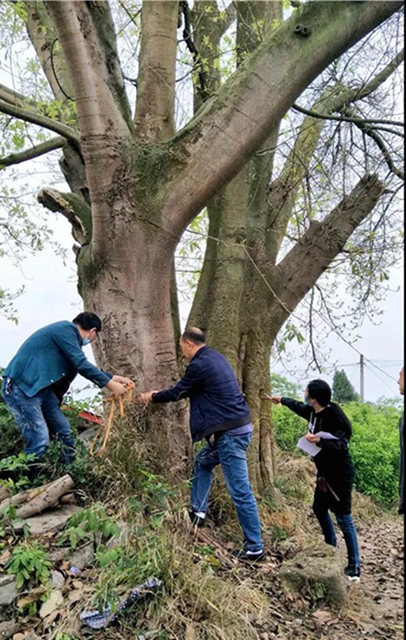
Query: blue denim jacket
point(216, 401)
point(50, 354)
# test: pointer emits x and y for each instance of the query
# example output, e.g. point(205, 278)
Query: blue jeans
point(346, 524)
point(231, 453)
point(39, 418)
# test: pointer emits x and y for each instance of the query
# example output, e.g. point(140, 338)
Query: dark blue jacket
point(49, 355)
point(216, 401)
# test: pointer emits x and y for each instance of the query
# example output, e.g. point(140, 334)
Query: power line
point(379, 378)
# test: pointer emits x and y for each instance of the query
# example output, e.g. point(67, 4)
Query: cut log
point(4, 493)
point(23, 496)
point(48, 498)
point(68, 498)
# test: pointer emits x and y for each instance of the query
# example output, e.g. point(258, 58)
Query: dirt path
point(374, 609)
point(377, 603)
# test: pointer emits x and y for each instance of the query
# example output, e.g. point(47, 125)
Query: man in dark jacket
point(401, 507)
point(40, 373)
point(219, 413)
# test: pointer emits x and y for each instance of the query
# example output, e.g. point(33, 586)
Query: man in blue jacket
point(219, 413)
point(40, 373)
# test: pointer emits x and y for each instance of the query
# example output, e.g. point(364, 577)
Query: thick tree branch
point(41, 121)
point(154, 117)
point(283, 191)
point(252, 102)
point(72, 207)
point(227, 18)
point(43, 37)
point(34, 152)
point(296, 274)
point(187, 36)
point(86, 35)
point(14, 98)
point(353, 119)
point(378, 80)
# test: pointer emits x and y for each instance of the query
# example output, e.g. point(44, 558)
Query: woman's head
point(319, 391)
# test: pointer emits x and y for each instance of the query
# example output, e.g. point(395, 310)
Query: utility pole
point(362, 378)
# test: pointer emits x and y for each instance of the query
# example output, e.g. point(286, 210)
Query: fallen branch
point(4, 493)
point(23, 496)
point(48, 498)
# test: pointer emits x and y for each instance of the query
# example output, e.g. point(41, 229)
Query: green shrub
point(374, 446)
point(30, 564)
point(375, 450)
point(11, 440)
point(288, 428)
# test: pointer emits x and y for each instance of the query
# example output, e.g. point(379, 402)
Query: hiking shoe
point(250, 556)
point(196, 519)
point(353, 572)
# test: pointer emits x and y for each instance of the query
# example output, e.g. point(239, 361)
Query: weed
point(30, 564)
point(85, 525)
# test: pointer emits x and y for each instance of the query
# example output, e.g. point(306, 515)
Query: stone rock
point(55, 601)
point(8, 590)
point(88, 435)
point(57, 579)
point(121, 538)
point(82, 557)
point(58, 555)
point(8, 628)
point(317, 572)
point(50, 521)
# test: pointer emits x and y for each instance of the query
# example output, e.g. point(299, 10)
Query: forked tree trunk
point(144, 185)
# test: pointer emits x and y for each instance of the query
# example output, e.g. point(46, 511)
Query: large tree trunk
point(138, 338)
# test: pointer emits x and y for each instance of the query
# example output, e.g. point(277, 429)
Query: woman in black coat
point(335, 471)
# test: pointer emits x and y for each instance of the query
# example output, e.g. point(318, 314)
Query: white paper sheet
point(308, 447)
point(326, 435)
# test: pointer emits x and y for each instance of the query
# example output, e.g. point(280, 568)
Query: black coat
point(216, 401)
point(333, 462)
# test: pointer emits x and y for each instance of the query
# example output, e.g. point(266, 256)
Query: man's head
point(191, 340)
point(401, 382)
point(318, 391)
point(89, 325)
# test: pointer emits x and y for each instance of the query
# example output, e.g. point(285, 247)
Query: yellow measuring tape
point(122, 402)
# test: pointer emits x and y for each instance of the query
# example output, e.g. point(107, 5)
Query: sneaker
point(353, 572)
point(196, 519)
point(250, 556)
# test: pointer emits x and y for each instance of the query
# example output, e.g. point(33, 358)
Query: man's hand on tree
point(126, 381)
point(116, 388)
point(276, 399)
point(146, 398)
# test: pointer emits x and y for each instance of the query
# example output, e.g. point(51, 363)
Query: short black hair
point(194, 334)
point(88, 320)
point(320, 391)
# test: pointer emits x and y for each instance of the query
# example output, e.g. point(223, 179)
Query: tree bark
point(154, 118)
